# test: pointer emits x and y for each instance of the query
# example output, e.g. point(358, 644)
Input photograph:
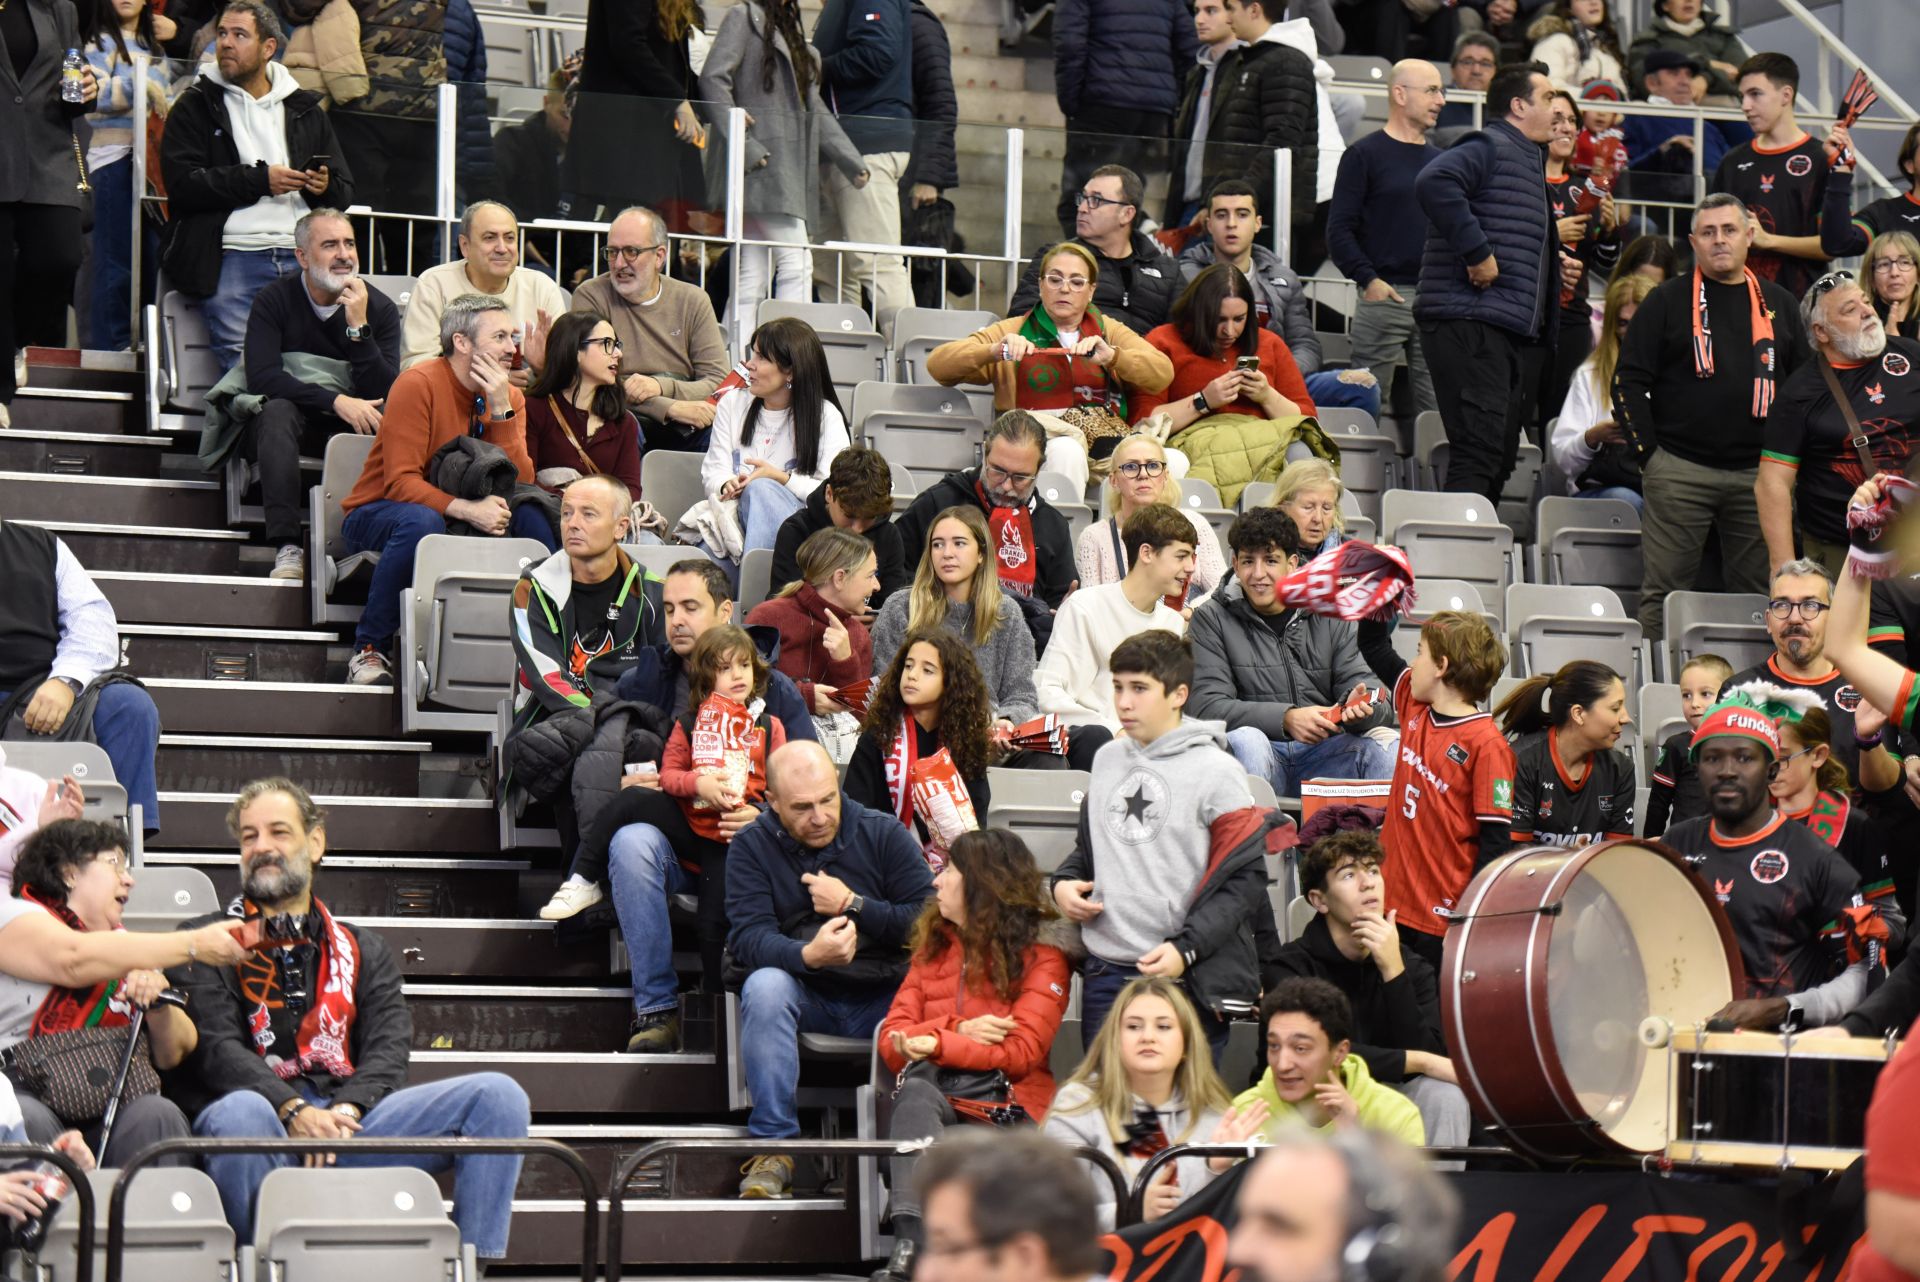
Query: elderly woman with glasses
point(1080, 371)
point(1889, 274)
point(577, 416)
point(1140, 475)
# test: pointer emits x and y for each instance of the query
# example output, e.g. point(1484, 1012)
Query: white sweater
point(1583, 408)
point(772, 440)
point(260, 137)
point(1073, 679)
point(528, 293)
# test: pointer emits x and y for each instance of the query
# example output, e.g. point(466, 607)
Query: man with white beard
point(672, 353)
point(322, 349)
point(1853, 411)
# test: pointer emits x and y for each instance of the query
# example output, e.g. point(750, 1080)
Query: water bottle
point(73, 80)
point(52, 1185)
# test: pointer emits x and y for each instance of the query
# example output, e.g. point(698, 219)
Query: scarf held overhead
point(1352, 581)
point(1761, 321)
point(321, 1042)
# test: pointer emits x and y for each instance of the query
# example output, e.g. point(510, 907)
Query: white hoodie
point(1298, 32)
point(260, 135)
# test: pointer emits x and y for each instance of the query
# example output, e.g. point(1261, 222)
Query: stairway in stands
point(246, 686)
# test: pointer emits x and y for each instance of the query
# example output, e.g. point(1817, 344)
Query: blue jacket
point(866, 57)
point(467, 70)
point(656, 671)
point(1135, 55)
point(1488, 195)
point(873, 853)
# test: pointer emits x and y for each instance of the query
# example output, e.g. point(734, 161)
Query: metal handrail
point(448, 1148)
point(80, 1190)
point(1839, 49)
point(798, 1146)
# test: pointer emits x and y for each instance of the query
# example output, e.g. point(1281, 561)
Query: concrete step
point(232, 654)
point(1026, 107)
point(521, 1018)
point(273, 707)
point(61, 409)
point(435, 885)
point(338, 767)
point(26, 449)
point(198, 820)
point(93, 371)
point(507, 948)
point(221, 600)
point(159, 549)
point(109, 500)
point(604, 1147)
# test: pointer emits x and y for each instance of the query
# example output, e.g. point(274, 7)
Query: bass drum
point(1553, 961)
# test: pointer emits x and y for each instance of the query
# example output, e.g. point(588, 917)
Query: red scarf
point(326, 1028)
point(1761, 322)
point(901, 758)
point(64, 1009)
point(1010, 530)
point(1871, 554)
point(1352, 581)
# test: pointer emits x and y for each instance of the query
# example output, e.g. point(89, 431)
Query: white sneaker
point(573, 897)
point(6, 416)
point(369, 667)
point(290, 562)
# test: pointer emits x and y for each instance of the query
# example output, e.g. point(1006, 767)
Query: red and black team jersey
point(1597, 251)
point(1676, 795)
point(1842, 823)
point(1454, 773)
point(1783, 190)
point(1893, 622)
point(1807, 431)
point(1840, 699)
point(1549, 807)
point(1783, 890)
point(1890, 213)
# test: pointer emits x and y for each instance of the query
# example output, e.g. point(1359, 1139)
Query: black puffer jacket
point(1121, 53)
point(470, 468)
point(936, 108)
point(1265, 98)
point(1138, 290)
point(582, 752)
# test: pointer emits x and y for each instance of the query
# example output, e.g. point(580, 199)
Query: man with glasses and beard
point(1851, 412)
point(672, 351)
point(1032, 543)
point(309, 1037)
point(322, 348)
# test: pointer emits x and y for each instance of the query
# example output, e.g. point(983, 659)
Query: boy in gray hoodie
point(1167, 871)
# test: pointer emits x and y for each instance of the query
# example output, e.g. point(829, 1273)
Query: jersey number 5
point(1410, 801)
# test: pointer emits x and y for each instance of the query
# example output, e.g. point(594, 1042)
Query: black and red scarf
point(1352, 581)
point(326, 1028)
point(1761, 321)
point(65, 1009)
point(1010, 529)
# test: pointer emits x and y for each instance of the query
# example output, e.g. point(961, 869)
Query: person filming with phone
point(228, 157)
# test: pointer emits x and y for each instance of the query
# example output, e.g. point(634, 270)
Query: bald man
point(489, 263)
point(821, 893)
point(1376, 230)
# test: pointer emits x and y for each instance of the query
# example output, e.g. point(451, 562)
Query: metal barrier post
point(736, 215)
point(447, 1148)
point(82, 1192)
point(447, 126)
point(1283, 203)
point(140, 64)
point(1015, 205)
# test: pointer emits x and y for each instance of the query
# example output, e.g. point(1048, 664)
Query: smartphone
point(1249, 363)
point(318, 160)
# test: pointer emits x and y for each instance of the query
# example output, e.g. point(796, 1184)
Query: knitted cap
point(1753, 710)
point(1602, 89)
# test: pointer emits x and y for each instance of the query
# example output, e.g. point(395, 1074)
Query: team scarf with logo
point(901, 758)
point(1050, 379)
point(65, 1009)
point(321, 1042)
point(1871, 551)
point(1761, 321)
point(1010, 530)
point(1352, 581)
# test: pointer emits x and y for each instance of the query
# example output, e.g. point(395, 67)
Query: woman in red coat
point(985, 993)
point(823, 643)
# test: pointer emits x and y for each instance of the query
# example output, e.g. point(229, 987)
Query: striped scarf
point(1762, 325)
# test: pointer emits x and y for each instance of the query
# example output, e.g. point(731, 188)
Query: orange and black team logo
point(581, 657)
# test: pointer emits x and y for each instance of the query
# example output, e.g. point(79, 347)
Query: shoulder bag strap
point(560, 418)
point(1840, 397)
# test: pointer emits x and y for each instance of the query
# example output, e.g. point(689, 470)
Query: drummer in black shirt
point(1780, 176)
point(1571, 785)
point(1793, 902)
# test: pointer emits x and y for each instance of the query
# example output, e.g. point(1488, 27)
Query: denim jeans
point(477, 1106)
point(126, 725)
point(1284, 763)
point(764, 506)
point(642, 872)
point(775, 1008)
point(1621, 492)
point(1325, 387)
point(109, 304)
point(395, 529)
point(243, 273)
point(1101, 982)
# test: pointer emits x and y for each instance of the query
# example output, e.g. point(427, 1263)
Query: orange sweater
point(1192, 371)
point(426, 408)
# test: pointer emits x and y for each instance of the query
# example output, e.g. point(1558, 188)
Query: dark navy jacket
point(1488, 195)
point(873, 853)
point(1122, 53)
point(866, 55)
point(656, 671)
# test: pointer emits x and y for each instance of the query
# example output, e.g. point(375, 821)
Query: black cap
point(1668, 59)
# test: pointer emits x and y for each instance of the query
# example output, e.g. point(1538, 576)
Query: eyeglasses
point(1003, 477)
point(1792, 756)
point(114, 860)
point(1477, 64)
point(1087, 200)
point(1828, 283)
point(1055, 280)
point(630, 253)
point(609, 344)
point(1781, 608)
point(1133, 469)
point(1893, 265)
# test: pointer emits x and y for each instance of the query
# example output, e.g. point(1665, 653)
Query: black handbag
point(975, 1096)
point(73, 1073)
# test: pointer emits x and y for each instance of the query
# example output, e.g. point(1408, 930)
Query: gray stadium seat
point(1431, 597)
point(855, 351)
point(935, 444)
point(1369, 467)
point(1253, 494)
point(175, 1230)
point(670, 480)
point(1429, 449)
point(1550, 625)
point(101, 796)
point(1043, 806)
point(918, 330)
point(658, 558)
point(1517, 498)
point(756, 573)
point(328, 562)
point(396, 287)
point(900, 398)
point(1079, 517)
point(189, 369)
point(1346, 420)
point(371, 1224)
point(1593, 541)
point(1057, 489)
point(164, 895)
point(1456, 535)
point(1660, 717)
point(456, 649)
point(1728, 624)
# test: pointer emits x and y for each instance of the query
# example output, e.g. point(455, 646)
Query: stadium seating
point(1453, 534)
point(175, 1231)
point(1730, 625)
point(102, 796)
point(329, 564)
point(374, 1224)
point(670, 480)
point(1553, 624)
point(454, 651)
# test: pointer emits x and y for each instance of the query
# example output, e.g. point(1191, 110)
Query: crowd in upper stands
point(814, 769)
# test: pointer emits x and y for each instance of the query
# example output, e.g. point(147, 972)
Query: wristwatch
point(355, 333)
point(1200, 402)
point(72, 683)
point(856, 904)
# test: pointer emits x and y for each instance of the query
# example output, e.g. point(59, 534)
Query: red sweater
point(929, 1001)
point(678, 778)
point(802, 621)
point(1192, 371)
point(614, 449)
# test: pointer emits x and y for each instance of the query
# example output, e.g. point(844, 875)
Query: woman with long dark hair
point(984, 994)
point(116, 30)
point(1231, 377)
point(1571, 784)
point(636, 139)
point(930, 697)
point(824, 644)
point(577, 417)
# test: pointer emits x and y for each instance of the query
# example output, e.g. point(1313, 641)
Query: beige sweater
point(528, 293)
point(674, 339)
